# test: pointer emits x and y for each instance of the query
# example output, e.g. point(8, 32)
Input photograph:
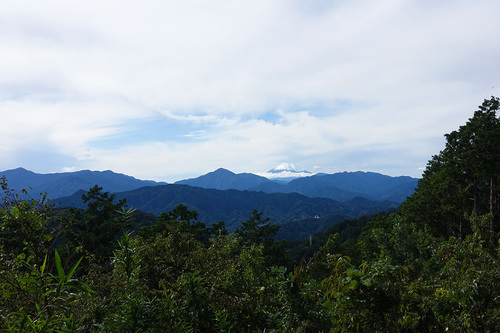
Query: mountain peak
point(286, 171)
point(288, 167)
point(223, 179)
point(221, 171)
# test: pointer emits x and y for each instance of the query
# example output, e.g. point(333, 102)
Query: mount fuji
point(286, 172)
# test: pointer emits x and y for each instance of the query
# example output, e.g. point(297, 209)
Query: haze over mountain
point(346, 185)
point(235, 206)
point(66, 183)
point(222, 195)
point(339, 186)
point(222, 179)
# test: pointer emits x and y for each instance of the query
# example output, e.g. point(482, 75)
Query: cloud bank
point(168, 90)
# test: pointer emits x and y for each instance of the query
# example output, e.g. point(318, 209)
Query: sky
point(167, 90)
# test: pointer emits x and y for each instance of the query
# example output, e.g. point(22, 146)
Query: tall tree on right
point(463, 178)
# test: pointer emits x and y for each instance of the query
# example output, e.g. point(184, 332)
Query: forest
point(432, 265)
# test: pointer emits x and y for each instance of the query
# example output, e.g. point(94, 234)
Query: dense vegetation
point(431, 266)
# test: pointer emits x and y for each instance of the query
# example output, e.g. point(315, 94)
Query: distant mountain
point(234, 206)
point(222, 179)
point(66, 183)
point(347, 185)
point(338, 186)
point(286, 172)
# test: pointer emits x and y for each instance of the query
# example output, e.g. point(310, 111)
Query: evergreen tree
point(258, 230)
point(463, 178)
point(96, 229)
point(184, 220)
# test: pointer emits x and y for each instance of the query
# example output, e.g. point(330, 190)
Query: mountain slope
point(234, 206)
point(222, 179)
point(346, 185)
point(338, 186)
point(66, 183)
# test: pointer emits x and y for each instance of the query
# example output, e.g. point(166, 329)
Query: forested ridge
point(432, 265)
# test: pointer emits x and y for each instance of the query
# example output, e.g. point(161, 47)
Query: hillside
point(66, 183)
point(339, 186)
point(234, 206)
point(222, 179)
point(347, 185)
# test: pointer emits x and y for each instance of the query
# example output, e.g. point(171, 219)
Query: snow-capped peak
point(286, 171)
point(287, 167)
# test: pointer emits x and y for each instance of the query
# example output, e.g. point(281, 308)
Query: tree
point(184, 220)
point(96, 229)
point(462, 178)
point(28, 226)
point(257, 230)
point(35, 291)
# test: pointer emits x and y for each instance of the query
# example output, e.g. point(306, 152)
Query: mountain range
point(66, 183)
point(235, 206)
point(338, 186)
point(302, 206)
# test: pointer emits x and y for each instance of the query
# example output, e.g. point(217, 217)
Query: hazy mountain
point(339, 186)
point(66, 183)
point(346, 185)
point(234, 206)
point(303, 205)
point(222, 179)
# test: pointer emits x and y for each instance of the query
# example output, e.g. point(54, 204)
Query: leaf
point(83, 288)
point(47, 293)
point(72, 270)
point(352, 284)
point(23, 321)
point(366, 282)
point(58, 289)
point(42, 269)
point(60, 270)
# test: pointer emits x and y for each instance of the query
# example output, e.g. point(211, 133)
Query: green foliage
point(463, 178)
point(469, 281)
point(348, 230)
point(414, 282)
point(45, 302)
point(95, 230)
point(184, 220)
point(35, 292)
point(257, 230)
point(27, 226)
point(432, 266)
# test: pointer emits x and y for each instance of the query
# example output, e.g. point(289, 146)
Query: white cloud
point(76, 74)
point(68, 169)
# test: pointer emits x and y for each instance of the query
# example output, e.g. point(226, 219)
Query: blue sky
point(168, 90)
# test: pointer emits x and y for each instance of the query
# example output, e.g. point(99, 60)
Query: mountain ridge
point(66, 183)
point(236, 206)
point(223, 179)
point(338, 186)
point(331, 197)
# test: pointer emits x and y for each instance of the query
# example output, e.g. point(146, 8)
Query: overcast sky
point(168, 90)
